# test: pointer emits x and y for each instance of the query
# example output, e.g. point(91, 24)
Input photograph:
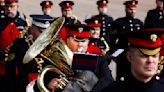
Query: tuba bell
point(43, 40)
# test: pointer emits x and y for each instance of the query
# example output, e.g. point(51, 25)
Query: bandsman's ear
point(129, 56)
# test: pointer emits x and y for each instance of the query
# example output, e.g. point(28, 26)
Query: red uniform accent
point(102, 3)
point(11, 0)
point(83, 34)
point(66, 4)
point(93, 22)
point(32, 76)
point(46, 4)
point(93, 49)
point(145, 42)
point(2, 68)
point(131, 6)
point(8, 35)
point(63, 33)
point(131, 3)
point(162, 49)
point(79, 30)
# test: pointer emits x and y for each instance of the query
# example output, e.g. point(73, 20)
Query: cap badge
point(104, 2)
point(47, 3)
point(67, 4)
point(96, 22)
point(153, 37)
point(80, 29)
point(133, 3)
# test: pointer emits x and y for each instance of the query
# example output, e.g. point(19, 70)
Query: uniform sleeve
point(104, 74)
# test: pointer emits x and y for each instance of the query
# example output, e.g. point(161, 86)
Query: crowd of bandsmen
point(82, 51)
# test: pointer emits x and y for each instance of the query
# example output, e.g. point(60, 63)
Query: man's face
point(95, 33)
point(67, 12)
point(102, 10)
point(159, 4)
point(131, 11)
point(142, 66)
point(77, 46)
point(11, 10)
point(46, 11)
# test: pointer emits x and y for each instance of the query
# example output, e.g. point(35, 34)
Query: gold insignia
point(47, 3)
point(104, 2)
point(80, 29)
point(133, 3)
point(153, 37)
point(67, 4)
point(96, 21)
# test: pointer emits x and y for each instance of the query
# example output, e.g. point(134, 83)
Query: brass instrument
point(74, 17)
point(106, 45)
point(48, 44)
point(24, 32)
point(59, 66)
point(43, 40)
point(62, 78)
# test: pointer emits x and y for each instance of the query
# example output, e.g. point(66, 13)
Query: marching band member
point(46, 7)
point(124, 24)
point(17, 73)
point(67, 13)
point(97, 44)
point(106, 20)
point(62, 53)
point(11, 26)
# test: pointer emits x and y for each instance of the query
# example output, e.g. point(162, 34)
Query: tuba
point(43, 40)
point(46, 45)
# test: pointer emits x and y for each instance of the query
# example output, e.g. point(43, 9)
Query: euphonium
point(59, 66)
point(46, 45)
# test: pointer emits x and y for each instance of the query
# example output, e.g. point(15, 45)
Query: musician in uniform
point(17, 73)
point(67, 13)
point(106, 20)
point(155, 17)
point(144, 56)
point(10, 27)
point(61, 53)
point(46, 7)
point(96, 43)
point(124, 24)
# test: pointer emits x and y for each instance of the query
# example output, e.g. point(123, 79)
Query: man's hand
point(53, 84)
